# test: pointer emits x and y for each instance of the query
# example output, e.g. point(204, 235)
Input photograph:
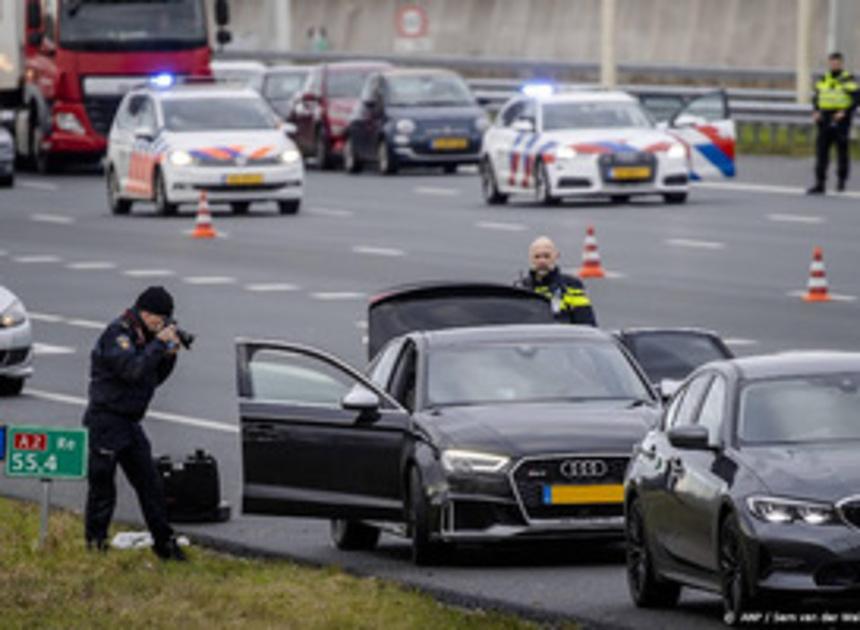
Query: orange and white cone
point(591, 267)
point(817, 289)
point(203, 223)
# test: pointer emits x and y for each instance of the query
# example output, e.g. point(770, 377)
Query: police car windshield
point(428, 89)
point(594, 115)
point(532, 372)
point(217, 114)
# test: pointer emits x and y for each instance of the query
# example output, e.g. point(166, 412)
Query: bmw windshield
point(532, 372)
point(217, 114)
point(594, 115)
point(132, 24)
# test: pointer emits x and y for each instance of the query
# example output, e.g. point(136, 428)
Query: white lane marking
point(740, 341)
point(796, 218)
point(42, 349)
point(45, 317)
point(37, 259)
point(836, 297)
point(331, 212)
point(361, 324)
point(148, 273)
point(52, 218)
point(91, 265)
point(86, 323)
point(378, 251)
point(263, 287)
point(695, 244)
point(209, 280)
point(3, 252)
point(435, 190)
point(164, 416)
point(37, 185)
point(337, 295)
point(768, 188)
point(499, 225)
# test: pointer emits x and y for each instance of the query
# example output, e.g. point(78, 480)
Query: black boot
point(169, 550)
point(97, 544)
point(818, 189)
point(840, 186)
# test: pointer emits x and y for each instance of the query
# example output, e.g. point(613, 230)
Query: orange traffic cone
point(203, 223)
point(591, 267)
point(816, 289)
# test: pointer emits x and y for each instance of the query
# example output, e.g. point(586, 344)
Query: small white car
point(16, 344)
point(602, 144)
point(168, 144)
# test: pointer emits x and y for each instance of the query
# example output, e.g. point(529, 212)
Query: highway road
point(732, 259)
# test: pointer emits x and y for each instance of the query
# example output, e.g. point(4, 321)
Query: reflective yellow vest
point(835, 92)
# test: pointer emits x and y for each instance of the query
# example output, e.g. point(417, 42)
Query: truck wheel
point(117, 204)
point(353, 535)
point(162, 205)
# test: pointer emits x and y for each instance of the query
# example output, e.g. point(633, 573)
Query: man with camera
point(134, 355)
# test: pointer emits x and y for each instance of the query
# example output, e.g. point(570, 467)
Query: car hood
point(520, 429)
point(441, 113)
point(598, 141)
point(6, 299)
point(826, 472)
point(229, 143)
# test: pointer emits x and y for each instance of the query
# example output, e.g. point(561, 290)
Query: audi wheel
point(353, 535)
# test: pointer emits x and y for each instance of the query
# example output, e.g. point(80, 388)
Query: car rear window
point(671, 355)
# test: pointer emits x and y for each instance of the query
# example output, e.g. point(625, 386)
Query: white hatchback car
point(16, 344)
point(169, 144)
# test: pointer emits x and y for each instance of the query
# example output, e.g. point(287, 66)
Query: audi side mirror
point(690, 437)
point(524, 125)
point(360, 399)
point(667, 388)
point(144, 133)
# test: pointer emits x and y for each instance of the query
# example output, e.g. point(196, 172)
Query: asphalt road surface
point(732, 259)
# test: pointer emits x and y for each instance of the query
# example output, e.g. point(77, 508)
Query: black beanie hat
point(156, 300)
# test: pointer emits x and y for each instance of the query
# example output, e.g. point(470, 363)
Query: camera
point(185, 338)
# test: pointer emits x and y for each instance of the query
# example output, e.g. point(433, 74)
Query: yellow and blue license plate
point(583, 495)
point(244, 179)
point(450, 144)
point(630, 173)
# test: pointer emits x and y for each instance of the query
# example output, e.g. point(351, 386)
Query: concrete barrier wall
point(738, 33)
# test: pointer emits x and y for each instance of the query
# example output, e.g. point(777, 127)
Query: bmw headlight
point(290, 156)
point(467, 462)
point(779, 510)
point(181, 158)
point(482, 123)
point(405, 126)
point(14, 315)
point(565, 153)
point(67, 121)
point(677, 151)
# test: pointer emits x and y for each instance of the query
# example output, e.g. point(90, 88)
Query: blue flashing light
point(162, 80)
point(538, 89)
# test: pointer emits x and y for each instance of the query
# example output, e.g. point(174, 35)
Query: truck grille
point(100, 111)
point(533, 476)
point(13, 357)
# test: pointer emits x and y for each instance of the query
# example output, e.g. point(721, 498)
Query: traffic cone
point(203, 223)
point(816, 289)
point(591, 267)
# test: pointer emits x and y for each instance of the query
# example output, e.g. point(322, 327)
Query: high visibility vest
point(835, 92)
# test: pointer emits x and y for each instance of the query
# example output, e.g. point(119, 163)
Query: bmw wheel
point(387, 162)
point(647, 589)
point(162, 205)
point(117, 203)
point(543, 186)
point(735, 581)
point(489, 188)
point(425, 551)
point(353, 535)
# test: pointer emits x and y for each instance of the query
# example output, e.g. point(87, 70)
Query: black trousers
point(828, 135)
point(135, 459)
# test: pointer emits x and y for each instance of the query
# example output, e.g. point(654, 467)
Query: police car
point(169, 143)
point(602, 144)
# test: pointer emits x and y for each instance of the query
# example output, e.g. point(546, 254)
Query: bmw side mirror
point(360, 399)
point(690, 437)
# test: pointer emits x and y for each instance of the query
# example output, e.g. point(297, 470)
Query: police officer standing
point(134, 355)
point(566, 293)
point(835, 98)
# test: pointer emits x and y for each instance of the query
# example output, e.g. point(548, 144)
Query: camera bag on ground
point(192, 488)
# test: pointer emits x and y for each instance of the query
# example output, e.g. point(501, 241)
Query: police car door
point(142, 157)
point(705, 127)
point(502, 140)
point(319, 438)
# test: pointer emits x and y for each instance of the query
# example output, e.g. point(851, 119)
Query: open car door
point(705, 126)
point(439, 305)
point(318, 438)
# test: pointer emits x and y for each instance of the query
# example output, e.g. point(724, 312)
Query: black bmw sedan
point(750, 487)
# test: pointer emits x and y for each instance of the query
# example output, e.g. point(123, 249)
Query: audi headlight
point(677, 151)
point(67, 121)
point(779, 510)
point(181, 158)
point(405, 126)
point(482, 123)
point(467, 462)
point(565, 153)
point(290, 156)
point(14, 315)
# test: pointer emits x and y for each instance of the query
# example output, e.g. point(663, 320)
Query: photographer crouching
point(134, 355)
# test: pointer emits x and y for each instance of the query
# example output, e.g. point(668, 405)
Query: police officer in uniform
point(134, 355)
point(566, 293)
point(835, 98)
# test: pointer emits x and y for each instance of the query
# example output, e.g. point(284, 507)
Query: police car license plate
point(628, 173)
point(449, 144)
point(244, 179)
point(583, 495)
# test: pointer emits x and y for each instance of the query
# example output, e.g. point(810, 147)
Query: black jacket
point(566, 293)
point(127, 364)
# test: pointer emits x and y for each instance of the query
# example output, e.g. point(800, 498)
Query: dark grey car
point(7, 158)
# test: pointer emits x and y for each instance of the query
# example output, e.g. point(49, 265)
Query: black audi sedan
point(464, 434)
point(415, 117)
point(749, 486)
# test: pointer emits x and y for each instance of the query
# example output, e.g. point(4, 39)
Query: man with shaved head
point(565, 293)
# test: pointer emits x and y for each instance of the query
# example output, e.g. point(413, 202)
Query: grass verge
point(64, 586)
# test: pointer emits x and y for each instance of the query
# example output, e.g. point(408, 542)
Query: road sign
point(46, 452)
point(411, 21)
point(2, 442)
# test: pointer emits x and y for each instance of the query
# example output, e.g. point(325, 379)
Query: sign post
point(46, 453)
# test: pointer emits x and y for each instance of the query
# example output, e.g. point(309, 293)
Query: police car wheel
point(619, 198)
point(7, 182)
point(162, 205)
point(240, 207)
point(425, 551)
point(11, 386)
point(675, 198)
point(490, 190)
point(449, 169)
point(353, 535)
point(387, 163)
point(543, 188)
point(117, 204)
point(290, 206)
point(351, 162)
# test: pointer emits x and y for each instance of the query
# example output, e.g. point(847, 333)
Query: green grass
point(64, 586)
point(787, 140)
